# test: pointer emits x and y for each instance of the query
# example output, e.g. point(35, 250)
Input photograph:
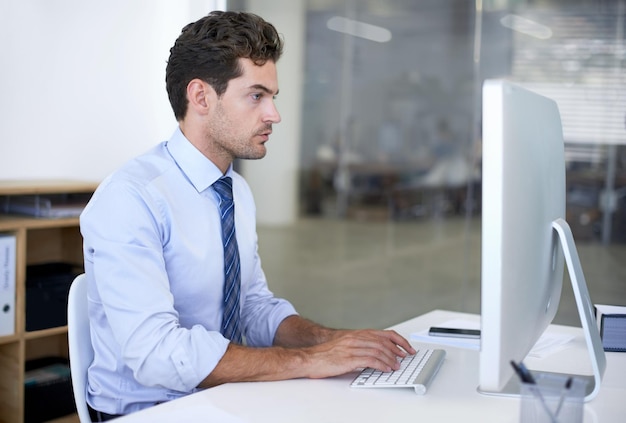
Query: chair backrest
point(81, 351)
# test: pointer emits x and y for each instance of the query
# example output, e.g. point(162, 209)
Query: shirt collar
point(200, 171)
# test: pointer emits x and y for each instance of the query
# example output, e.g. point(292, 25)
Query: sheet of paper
point(547, 344)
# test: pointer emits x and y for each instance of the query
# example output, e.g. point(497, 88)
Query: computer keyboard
point(416, 371)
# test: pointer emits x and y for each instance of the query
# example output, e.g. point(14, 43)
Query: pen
point(527, 377)
point(568, 385)
point(523, 373)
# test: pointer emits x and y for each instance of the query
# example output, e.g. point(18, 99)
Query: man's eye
point(256, 96)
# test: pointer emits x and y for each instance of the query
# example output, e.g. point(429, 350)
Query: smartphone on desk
point(454, 332)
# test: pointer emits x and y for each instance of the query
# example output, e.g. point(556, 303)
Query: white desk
point(452, 396)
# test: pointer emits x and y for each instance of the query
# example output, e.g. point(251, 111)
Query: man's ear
point(200, 95)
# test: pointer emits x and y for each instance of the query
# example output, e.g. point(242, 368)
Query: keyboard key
point(416, 371)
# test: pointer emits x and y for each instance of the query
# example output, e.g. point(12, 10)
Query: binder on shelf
point(612, 326)
point(46, 206)
point(7, 284)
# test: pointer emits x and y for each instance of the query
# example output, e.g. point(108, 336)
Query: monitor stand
point(587, 318)
point(585, 309)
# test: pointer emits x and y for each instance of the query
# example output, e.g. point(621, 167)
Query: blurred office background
point(378, 214)
point(389, 156)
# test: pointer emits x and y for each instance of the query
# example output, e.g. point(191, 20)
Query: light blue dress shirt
point(154, 264)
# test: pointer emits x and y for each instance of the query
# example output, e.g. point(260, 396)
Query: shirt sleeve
point(263, 312)
point(133, 308)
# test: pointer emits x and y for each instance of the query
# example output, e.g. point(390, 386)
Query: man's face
point(240, 122)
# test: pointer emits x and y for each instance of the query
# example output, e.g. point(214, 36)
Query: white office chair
point(81, 351)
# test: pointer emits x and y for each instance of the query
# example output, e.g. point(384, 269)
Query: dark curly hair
point(210, 49)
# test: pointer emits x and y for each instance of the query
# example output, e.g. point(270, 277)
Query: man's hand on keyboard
point(349, 350)
point(303, 348)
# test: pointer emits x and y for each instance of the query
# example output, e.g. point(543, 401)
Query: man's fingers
point(381, 349)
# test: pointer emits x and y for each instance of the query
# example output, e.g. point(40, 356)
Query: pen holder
point(552, 399)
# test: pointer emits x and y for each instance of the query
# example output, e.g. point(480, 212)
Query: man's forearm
point(243, 364)
point(296, 332)
point(282, 361)
point(304, 349)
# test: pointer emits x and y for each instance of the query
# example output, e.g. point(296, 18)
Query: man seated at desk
point(177, 301)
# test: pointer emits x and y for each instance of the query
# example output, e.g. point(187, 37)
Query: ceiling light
point(359, 29)
point(526, 26)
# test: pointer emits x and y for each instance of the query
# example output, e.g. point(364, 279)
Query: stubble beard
point(226, 137)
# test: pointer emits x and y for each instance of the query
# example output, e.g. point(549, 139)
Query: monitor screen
point(524, 233)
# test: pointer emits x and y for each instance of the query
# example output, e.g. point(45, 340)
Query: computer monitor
point(525, 237)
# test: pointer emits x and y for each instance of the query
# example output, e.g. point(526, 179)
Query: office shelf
point(38, 241)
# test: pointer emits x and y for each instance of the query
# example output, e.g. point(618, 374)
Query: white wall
point(82, 90)
point(82, 83)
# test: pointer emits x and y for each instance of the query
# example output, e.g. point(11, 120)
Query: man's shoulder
point(146, 166)
point(137, 174)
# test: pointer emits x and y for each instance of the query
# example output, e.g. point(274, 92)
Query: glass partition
point(390, 151)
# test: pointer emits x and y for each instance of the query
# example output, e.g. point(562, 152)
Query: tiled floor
point(375, 274)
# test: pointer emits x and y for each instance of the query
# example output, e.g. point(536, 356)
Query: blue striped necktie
point(232, 276)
